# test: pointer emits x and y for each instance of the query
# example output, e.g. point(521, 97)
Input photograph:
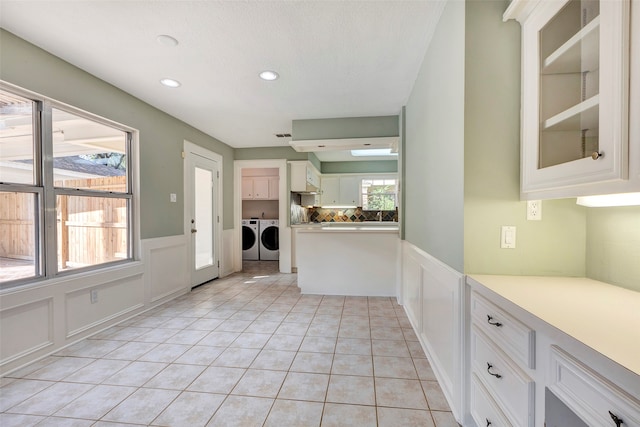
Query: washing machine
point(269, 240)
point(250, 239)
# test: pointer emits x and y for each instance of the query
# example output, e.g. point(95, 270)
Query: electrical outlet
point(534, 210)
point(94, 296)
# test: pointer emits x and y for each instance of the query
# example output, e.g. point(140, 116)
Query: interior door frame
point(190, 147)
point(284, 228)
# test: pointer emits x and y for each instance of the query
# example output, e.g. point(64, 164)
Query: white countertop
point(373, 226)
point(602, 316)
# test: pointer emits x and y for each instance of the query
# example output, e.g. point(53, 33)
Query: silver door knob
point(595, 155)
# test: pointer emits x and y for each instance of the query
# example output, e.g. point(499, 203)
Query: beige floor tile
point(178, 322)
point(292, 413)
point(260, 383)
point(165, 353)
point(263, 327)
point(51, 399)
point(292, 329)
point(251, 340)
point(328, 309)
point(207, 325)
point(187, 337)
point(354, 331)
point(131, 350)
point(190, 409)
point(303, 386)
point(387, 322)
point(318, 344)
point(385, 333)
point(353, 346)
point(217, 379)
point(400, 393)
point(393, 417)
point(32, 367)
point(59, 369)
point(409, 334)
point(312, 362)
point(444, 419)
point(284, 342)
point(19, 391)
point(19, 420)
point(326, 319)
point(96, 402)
point(245, 315)
point(63, 422)
point(142, 406)
point(98, 371)
point(200, 355)
point(351, 389)
point(416, 350)
point(394, 367)
point(352, 364)
point(236, 357)
point(241, 411)
point(396, 348)
point(175, 377)
point(423, 367)
point(135, 374)
point(272, 316)
point(342, 415)
point(319, 330)
point(435, 396)
point(219, 339)
point(157, 335)
point(354, 321)
point(274, 359)
point(233, 325)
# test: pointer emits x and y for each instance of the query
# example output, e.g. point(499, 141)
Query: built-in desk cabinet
point(516, 358)
point(575, 98)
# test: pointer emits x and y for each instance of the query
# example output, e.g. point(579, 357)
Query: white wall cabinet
point(341, 191)
point(304, 177)
point(260, 188)
point(575, 131)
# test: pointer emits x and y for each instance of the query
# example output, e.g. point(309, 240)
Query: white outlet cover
point(534, 210)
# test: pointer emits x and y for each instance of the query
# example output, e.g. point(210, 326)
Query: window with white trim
point(65, 189)
point(379, 194)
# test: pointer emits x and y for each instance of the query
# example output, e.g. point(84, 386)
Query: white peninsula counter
point(357, 259)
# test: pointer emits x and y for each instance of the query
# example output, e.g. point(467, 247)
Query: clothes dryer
point(250, 239)
point(269, 240)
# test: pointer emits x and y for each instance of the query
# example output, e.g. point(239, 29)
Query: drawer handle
point(489, 366)
point(615, 419)
point(489, 321)
point(488, 422)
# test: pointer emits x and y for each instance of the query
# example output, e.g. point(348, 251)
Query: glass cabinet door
point(569, 84)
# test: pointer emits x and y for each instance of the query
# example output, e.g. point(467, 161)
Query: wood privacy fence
point(90, 230)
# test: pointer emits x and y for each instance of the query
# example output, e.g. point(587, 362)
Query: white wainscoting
point(228, 251)
point(433, 298)
point(41, 318)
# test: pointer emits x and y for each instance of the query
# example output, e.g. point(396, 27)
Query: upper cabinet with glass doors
point(575, 96)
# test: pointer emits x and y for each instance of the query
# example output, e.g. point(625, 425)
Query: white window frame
point(373, 177)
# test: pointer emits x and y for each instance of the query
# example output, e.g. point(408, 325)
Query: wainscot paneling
point(226, 260)
point(433, 298)
point(33, 316)
point(166, 267)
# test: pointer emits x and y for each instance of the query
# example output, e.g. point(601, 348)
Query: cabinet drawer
point(511, 388)
point(590, 396)
point(511, 335)
point(484, 410)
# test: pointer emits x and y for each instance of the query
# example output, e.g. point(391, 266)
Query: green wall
point(434, 142)
point(377, 166)
point(613, 245)
point(263, 153)
point(340, 128)
point(553, 246)
point(161, 135)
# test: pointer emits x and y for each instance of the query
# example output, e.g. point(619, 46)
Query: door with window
point(202, 214)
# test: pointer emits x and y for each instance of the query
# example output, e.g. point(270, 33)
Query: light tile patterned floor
point(245, 350)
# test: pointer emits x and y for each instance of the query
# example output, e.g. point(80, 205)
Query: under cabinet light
point(609, 200)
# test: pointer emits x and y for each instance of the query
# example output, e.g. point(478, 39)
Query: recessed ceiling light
point(166, 40)
point(170, 83)
point(269, 75)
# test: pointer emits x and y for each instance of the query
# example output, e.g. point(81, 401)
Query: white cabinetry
point(304, 177)
point(260, 188)
point(341, 191)
point(575, 131)
point(502, 348)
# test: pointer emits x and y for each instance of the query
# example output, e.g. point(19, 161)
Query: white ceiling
point(335, 58)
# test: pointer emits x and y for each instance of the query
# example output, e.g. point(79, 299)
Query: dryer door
point(248, 238)
point(269, 238)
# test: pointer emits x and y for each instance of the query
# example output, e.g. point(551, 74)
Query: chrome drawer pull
point(489, 366)
point(489, 321)
point(615, 419)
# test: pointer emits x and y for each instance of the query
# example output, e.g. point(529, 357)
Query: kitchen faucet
point(379, 216)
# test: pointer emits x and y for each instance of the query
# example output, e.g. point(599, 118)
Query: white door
point(202, 217)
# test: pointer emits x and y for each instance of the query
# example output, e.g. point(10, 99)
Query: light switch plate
point(508, 237)
point(173, 198)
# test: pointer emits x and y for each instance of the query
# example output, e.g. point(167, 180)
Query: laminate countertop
point(601, 316)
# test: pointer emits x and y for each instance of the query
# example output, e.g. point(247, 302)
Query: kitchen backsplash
point(349, 215)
